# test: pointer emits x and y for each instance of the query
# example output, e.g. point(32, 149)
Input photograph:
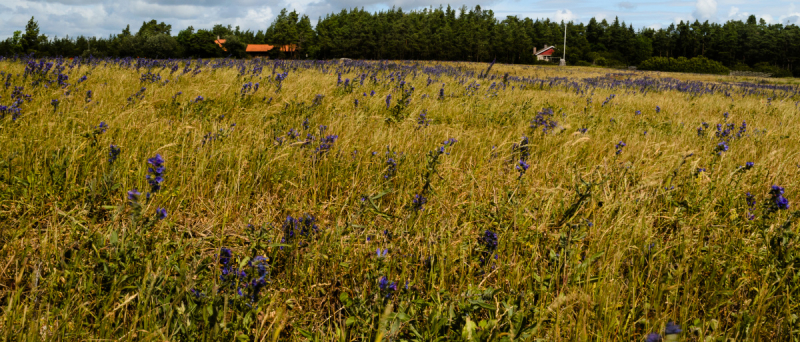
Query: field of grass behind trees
point(401, 201)
point(444, 34)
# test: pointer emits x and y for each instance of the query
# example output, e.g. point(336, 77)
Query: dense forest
point(442, 34)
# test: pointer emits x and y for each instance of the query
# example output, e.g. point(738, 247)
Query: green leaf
point(384, 193)
point(305, 333)
point(243, 262)
point(469, 330)
point(403, 317)
point(483, 304)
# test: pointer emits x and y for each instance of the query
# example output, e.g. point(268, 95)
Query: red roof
point(258, 47)
point(220, 42)
point(267, 47)
point(546, 51)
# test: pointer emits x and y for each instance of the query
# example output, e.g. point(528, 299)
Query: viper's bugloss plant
point(488, 242)
point(619, 146)
point(498, 237)
point(387, 288)
point(155, 174)
point(777, 201)
point(113, 153)
point(301, 228)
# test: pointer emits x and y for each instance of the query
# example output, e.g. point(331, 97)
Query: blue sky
point(104, 17)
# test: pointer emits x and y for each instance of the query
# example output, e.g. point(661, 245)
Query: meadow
point(267, 200)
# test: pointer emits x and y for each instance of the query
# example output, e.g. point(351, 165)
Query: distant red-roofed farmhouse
point(260, 50)
point(544, 54)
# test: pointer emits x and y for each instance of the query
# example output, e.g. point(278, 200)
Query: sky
point(104, 17)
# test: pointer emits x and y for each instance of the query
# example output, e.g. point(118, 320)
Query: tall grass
point(595, 241)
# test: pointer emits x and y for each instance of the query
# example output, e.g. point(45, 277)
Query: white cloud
point(565, 15)
point(151, 10)
point(301, 6)
point(735, 14)
point(256, 18)
point(794, 18)
point(103, 17)
point(677, 19)
point(705, 9)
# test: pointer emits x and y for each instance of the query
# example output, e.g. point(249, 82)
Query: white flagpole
point(565, 43)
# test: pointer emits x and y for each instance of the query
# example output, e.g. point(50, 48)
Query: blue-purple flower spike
point(113, 153)
point(156, 172)
point(672, 329)
point(161, 213)
point(778, 201)
point(133, 195)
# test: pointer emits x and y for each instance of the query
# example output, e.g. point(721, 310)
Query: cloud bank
point(104, 17)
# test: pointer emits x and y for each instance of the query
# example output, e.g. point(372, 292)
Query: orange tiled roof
point(267, 47)
point(220, 42)
point(259, 47)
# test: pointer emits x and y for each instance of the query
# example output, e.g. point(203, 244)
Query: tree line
point(441, 33)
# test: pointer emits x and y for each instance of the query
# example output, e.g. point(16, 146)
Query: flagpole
point(565, 43)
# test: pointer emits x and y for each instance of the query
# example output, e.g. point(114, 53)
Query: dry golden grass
point(593, 244)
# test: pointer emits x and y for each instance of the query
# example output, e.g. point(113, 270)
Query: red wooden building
point(545, 54)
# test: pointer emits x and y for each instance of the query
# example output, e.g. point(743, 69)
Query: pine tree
point(30, 40)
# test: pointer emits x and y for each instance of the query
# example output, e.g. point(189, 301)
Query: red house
point(260, 50)
point(544, 54)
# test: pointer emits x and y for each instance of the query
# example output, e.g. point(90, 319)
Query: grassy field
point(295, 200)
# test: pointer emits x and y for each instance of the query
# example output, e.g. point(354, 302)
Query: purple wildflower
point(672, 329)
point(778, 201)
point(155, 178)
point(419, 202)
point(133, 195)
point(161, 213)
point(619, 147)
point(653, 337)
point(113, 153)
